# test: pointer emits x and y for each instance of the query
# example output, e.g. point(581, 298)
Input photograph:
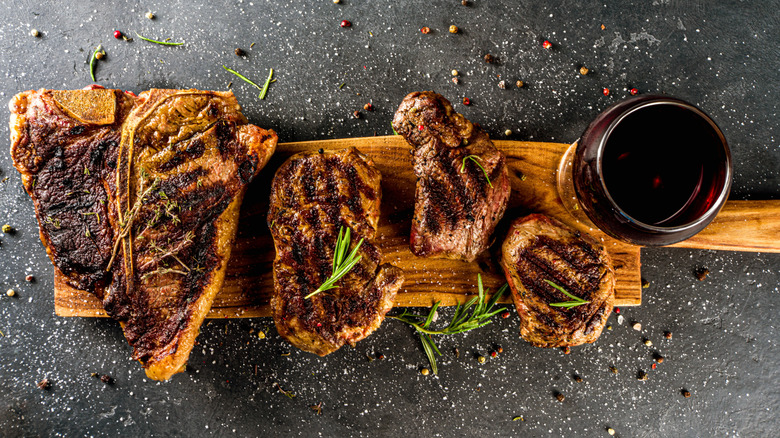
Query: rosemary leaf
point(92, 60)
point(268, 81)
point(341, 264)
point(475, 159)
point(164, 43)
point(575, 301)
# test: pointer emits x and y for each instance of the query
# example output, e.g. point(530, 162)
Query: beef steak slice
point(457, 203)
point(540, 248)
point(313, 196)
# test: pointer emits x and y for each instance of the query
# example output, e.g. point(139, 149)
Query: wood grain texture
point(249, 280)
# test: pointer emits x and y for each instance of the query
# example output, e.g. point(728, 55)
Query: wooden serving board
point(532, 169)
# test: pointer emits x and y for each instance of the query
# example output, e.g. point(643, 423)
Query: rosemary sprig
point(92, 60)
point(164, 43)
point(268, 81)
point(127, 222)
point(575, 301)
point(475, 159)
point(461, 322)
point(341, 264)
point(263, 89)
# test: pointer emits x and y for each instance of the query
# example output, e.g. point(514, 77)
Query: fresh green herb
point(96, 214)
point(92, 60)
point(268, 81)
point(393, 128)
point(461, 322)
point(86, 170)
point(342, 263)
point(518, 418)
point(165, 43)
point(86, 232)
point(287, 393)
point(126, 219)
point(2, 334)
point(162, 271)
point(342, 85)
point(575, 301)
point(475, 159)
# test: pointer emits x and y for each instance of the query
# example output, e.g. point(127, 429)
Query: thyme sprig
point(575, 301)
point(476, 159)
point(263, 89)
point(342, 263)
point(127, 222)
point(461, 322)
point(164, 43)
point(92, 60)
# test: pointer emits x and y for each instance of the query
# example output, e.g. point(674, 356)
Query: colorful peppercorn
point(547, 45)
point(605, 91)
point(346, 23)
point(117, 34)
point(466, 101)
point(634, 91)
point(426, 30)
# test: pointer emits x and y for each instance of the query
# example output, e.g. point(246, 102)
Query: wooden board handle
point(741, 226)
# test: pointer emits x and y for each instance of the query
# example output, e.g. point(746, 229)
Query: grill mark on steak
point(312, 196)
point(455, 212)
point(540, 248)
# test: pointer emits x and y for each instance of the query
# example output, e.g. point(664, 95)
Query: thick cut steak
point(457, 203)
point(154, 188)
point(313, 195)
point(540, 248)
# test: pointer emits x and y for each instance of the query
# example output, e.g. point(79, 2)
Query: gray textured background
point(722, 56)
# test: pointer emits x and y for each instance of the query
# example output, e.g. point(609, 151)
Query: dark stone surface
point(722, 56)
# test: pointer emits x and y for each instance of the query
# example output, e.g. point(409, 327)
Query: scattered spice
point(547, 45)
point(519, 417)
point(500, 349)
point(636, 326)
point(489, 58)
point(35, 33)
point(118, 34)
point(426, 30)
point(380, 356)
point(284, 353)
point(645, 284)
point(345, 23)
point(668, 335)
point(502, 85)
point(261, 335)
point(466, 101)
point(701, 273)
point(239, 52)
point(464, 2)
point(454, 29)
point(369, 357)
point(318, 407)
point(613, 370)
point(605, 91)
point(425, 371)
point(481, 359)
point(603, 27)
point(356, 114)
point(287, 393)
point(685, 393)
point(455, 81)
point(584, 70)
point(566, 350)
point(29, 278)
point(92, 63)
point(456, 352)
point(336, 1)
point(44, 384)
point(108, 380)
point(641, 375)
point(10, 292)
point(617, 309)
point(505, 315)
point(164, 43)
point(633, 91)
point(7, 229)
point(519, 84)
point(648, 342)
point(577, 378)
point(150, 15)
point(610, 431)
point(493, 353)
point(560, 397)
point(653, 366)
point(100, 55)
point(609, 326)
point(454, 72)
point(659, 358)
point(368, 107)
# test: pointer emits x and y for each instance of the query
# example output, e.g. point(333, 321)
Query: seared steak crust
point(455, 211)
point(540, 248)
point(165, 172)
point(312, 196)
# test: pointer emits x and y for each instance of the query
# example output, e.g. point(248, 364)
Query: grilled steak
point(540, 248)
point(165, 172)
point(462, 179)
point(313, 195)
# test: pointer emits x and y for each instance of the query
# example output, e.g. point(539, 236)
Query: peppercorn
point(577, 378)
point(686, 393)
point(603, 27)
point(613, 370)
point(455, 81)
point(547, 45)
point(659, 359)
point(426, 30)
point(453, 29)
point(346, 23)
point(100, 55)
point(240, 52)
point(645, 284)
point(466, 101)
point(500, 349)
point(368, 107)
point(636, 326)
point(648, 342)
point(336, 1)
point(454, 72)
point(617, 309)
point(356, 114)
point(609, 327)
point(481, 359)
point(701, 273)
point(493, 354)
point(633, 91)
point(560, 397)
point(44, 384)
point(566, 350)
point(29, 278)
point(10, 292)
point(425, 371)
point(653, 366)
point(506, 314)
point(150, 15)
point(117, 34)
point(35, 33)
point(456, 352)
point(7, 228)
point(489, 58)
point(421, 128)
point(108, 380)
point(668, 335)
point(519, 84)
point(508, 132)
point(641, 375)
point(584, 70)
point(464, 2)
point(502, 85)
point(380, 356)
point(605, 91)
point(610, 431)
point(261, 335)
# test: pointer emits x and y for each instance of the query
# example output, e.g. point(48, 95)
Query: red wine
point(658, 165)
